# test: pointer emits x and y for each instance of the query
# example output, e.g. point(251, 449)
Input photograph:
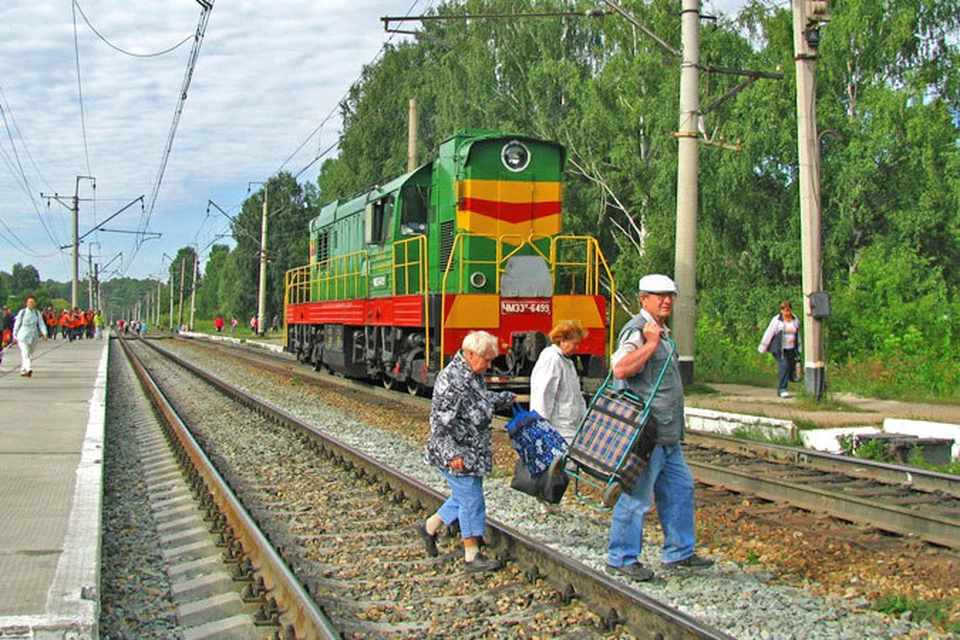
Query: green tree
point(288, 218)
point(208, 301)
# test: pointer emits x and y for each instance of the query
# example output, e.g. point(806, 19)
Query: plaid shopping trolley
point(609, 450)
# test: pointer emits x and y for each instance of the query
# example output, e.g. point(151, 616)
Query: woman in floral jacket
point(461, 445)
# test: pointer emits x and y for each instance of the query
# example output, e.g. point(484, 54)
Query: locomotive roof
point(464, 140)
point(343, 207)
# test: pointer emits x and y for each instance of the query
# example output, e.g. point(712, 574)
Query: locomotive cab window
point(414, 204)
point(379, 217)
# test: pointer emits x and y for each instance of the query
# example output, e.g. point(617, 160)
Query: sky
point(89, 91)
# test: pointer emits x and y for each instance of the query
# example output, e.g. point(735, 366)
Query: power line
point(124, 51)
point(206, 9)
point(337, 104)
point(83, 119)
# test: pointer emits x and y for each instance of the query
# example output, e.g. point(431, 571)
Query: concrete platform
point(51, 487)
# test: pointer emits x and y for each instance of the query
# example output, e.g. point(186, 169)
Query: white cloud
point(268, 73)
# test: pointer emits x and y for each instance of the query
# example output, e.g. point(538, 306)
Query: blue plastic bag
point(534, 439)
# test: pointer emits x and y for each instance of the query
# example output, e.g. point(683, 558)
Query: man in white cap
point(640, 358)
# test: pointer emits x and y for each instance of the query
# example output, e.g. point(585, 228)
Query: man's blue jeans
point(466, 504)
point(668, 479)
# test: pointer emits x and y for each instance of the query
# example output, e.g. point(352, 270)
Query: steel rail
point(863, 511)
point(917, 478)
point(296, 608)
point(615, 602)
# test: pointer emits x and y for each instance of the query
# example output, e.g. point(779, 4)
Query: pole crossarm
point(589, 13)
point(127, 206)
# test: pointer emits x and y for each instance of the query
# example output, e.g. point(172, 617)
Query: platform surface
point(51, 487)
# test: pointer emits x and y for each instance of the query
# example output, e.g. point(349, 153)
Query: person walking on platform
point(64, 323)
point(50, 319)
point(782, 341)
point(640, 357)
point(460, 446)
point(98, 324)
point(26, 328)
point(6, 330)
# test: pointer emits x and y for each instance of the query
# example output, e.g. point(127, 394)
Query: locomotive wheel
point(389, 383)
point(413, 387)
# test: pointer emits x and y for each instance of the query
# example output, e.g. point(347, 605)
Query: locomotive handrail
point(420, 242)
point(422, 262)
point(592, 263)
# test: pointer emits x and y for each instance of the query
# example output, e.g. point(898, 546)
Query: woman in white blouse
point(554, 384)
point(782, 341)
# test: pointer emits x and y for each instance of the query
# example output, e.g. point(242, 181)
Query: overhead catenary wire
point(206, 9)
point(83, 118)
point(124, 51)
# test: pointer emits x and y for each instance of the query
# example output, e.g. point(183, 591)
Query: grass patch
point(699, 389)
point(934, 611)
point(754, 433)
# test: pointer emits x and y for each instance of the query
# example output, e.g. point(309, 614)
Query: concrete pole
point(809, 182)
point(170, 284)
point(262, 298)
point(688, 158)
point(96, 291)
point(89, 276)
point(74, 294)
point(193, 290)
point(159, 291)
point(412, 133)
point(183, 266)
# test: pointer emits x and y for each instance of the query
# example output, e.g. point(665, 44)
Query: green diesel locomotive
point(398, 275)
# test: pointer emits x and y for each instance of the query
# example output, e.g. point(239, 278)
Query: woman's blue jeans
point(466, 504)
point(785, 364)
point(668, 480)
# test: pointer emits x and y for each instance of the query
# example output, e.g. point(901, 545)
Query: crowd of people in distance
point(30, 324)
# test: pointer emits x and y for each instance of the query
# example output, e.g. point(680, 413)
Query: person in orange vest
point(88, 323)
point(50, 319)
point(75, 319)
point(64, 323)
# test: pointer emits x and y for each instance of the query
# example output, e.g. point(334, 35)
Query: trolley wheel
point(611, 494)
point(556, 467)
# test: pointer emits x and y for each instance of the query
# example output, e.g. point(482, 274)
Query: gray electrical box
point(820, 304)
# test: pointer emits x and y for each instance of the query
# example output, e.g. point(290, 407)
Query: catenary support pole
point(805, 38)
point(685, 264)
point(262, 298)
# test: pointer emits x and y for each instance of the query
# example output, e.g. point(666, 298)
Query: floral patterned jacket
point(460, 420)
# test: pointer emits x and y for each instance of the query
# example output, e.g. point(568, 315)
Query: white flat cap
point(657, 283)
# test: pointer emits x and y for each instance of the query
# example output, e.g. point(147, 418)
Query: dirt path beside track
point(858, 411)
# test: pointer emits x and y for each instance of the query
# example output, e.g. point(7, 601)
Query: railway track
point(343, 522)
point(904, 500)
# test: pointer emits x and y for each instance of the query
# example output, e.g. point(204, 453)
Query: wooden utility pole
point(412, 134)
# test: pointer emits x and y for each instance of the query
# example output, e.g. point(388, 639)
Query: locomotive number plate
point(508, 307)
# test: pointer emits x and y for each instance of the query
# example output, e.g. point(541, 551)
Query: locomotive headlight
point(478, 280)
point(515, 156)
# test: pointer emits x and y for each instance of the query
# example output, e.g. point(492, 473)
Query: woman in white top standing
point(554, 384)
point(782, 341)
point(27, 327)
